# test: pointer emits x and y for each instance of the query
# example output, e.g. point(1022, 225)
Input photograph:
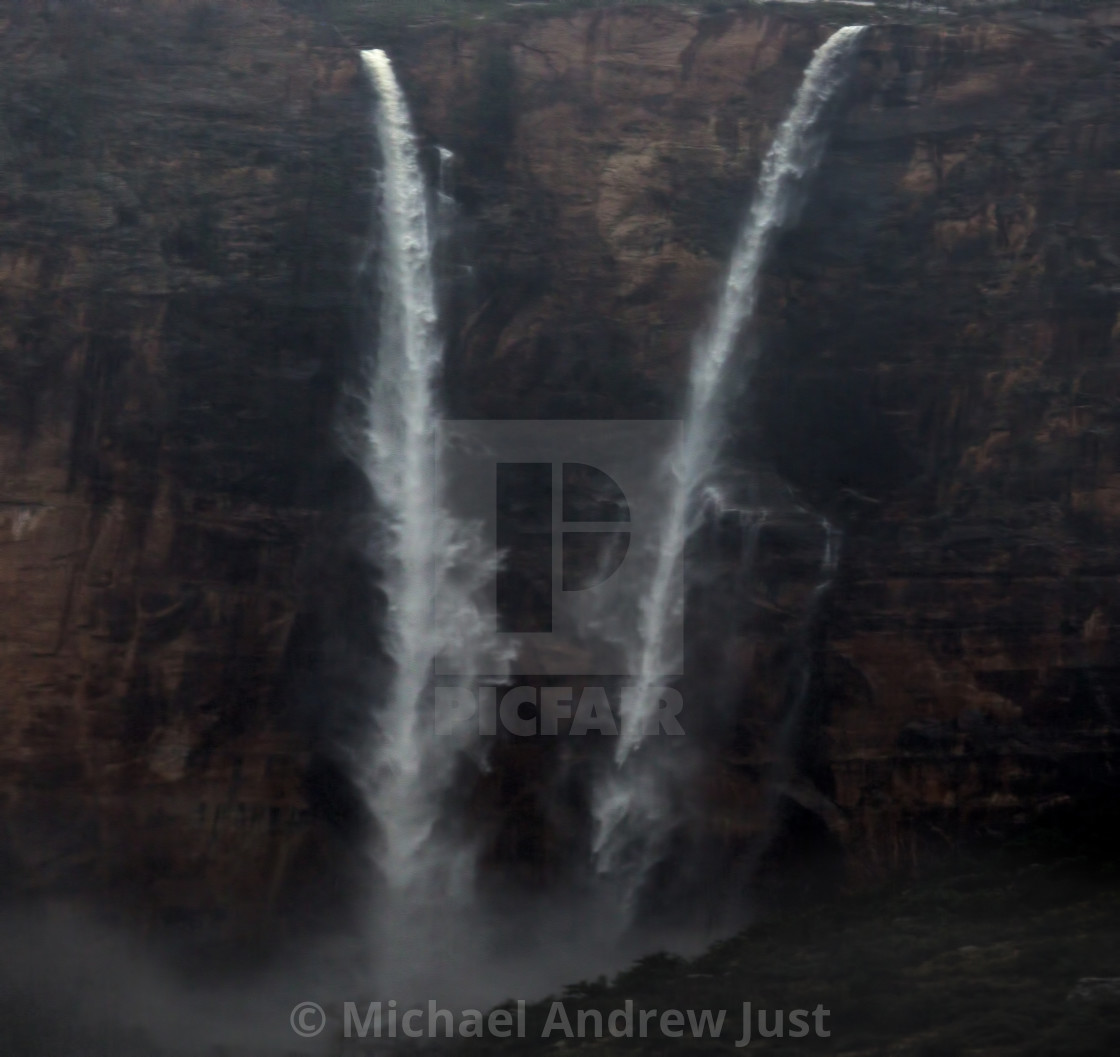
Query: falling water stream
point(632, 806)
point(433, 565)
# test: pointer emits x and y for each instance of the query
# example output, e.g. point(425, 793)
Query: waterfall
point(632, 804)
point(432, 564)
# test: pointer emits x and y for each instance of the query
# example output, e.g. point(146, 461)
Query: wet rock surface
point(185, 197)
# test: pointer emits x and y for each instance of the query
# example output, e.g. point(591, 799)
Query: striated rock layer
point(178, 198)
point(183, 199)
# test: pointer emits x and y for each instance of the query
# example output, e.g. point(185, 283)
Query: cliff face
point(938, 341)
point(178, 200)
point(185, 192)
point(945, 326)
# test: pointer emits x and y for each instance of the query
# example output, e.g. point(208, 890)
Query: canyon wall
point(180, 192)
point(185, 198)
point(938, 341)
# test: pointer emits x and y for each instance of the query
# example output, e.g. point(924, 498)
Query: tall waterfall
point(432, 564)
point(631, 805)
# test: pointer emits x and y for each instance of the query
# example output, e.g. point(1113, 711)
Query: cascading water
point(433, 565)
point(632, 804)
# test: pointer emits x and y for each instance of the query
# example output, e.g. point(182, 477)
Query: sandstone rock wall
point(177, 192)
point(939, 345)
point(184, 196)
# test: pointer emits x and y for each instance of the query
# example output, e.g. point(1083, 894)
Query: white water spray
point(433, 565)
point(443, 185)
point(632, 804)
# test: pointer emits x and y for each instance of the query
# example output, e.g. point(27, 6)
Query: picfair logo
point(592, 537)
point(572, 508)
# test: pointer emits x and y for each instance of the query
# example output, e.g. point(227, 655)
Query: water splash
point(443, 184)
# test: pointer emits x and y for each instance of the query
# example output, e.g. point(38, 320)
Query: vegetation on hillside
point(985, 961)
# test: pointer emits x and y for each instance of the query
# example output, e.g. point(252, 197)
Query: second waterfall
point(633, 808)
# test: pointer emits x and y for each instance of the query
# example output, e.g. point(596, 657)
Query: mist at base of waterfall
point(73, 984)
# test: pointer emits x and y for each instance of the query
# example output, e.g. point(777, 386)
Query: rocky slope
point(184, 192)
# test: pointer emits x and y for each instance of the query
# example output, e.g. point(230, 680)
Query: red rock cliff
point(184, 195)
